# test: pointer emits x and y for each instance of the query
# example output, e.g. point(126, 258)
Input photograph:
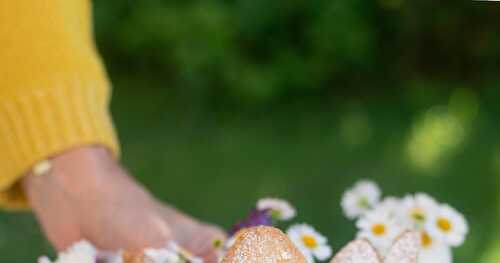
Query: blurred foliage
point(261, 51)
point(220, 102)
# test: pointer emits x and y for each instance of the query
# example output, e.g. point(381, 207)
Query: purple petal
point(256, 218)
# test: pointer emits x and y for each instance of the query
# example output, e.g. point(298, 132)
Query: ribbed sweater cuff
point(35, 126)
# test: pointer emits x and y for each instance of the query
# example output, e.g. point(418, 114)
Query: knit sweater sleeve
point(54, 93)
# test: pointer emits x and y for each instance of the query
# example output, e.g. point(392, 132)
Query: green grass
point(214, 162)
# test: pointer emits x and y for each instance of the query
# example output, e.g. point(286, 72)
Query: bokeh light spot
point(434, 136)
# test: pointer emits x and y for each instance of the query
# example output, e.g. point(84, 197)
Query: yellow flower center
point(363, 202)
point(444, 224)
point(378, 229)
point(217, 243)
point(418, 214)
point(275, 213)
point(426, 240)
point(309, 241)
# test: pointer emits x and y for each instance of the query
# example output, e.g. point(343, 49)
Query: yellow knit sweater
point(54, 93)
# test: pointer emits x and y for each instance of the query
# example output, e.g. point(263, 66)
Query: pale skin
point(88, 195)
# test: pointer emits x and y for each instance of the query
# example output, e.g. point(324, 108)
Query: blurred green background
point(218, 103)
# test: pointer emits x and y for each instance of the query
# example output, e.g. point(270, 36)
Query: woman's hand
point(87, 195)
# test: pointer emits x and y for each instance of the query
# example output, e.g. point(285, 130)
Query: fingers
point(202, 245)
point(150, 232)
point(63, 237)
point(211, 257)
point(156, 234)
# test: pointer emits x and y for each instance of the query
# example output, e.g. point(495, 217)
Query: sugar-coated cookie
point(404, 250)
point(263, 244)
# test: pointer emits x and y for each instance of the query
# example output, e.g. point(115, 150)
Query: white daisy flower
point(162, 256)
point(81, 252)
point(280, 209)
point(110, 257)
point(360, 198)
point(44, 259)
point(311, 243)
point(184, 255)
point(380, 228)
point(390, 205)
point(448, 225)
point(433, 250)
point(417, 209)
